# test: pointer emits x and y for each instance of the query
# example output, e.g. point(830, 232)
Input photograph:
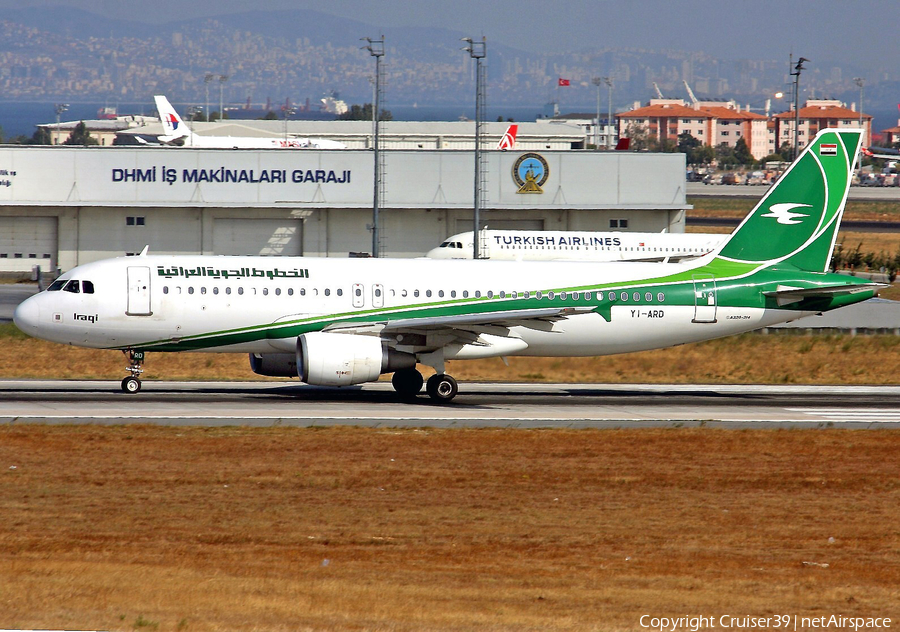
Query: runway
point(264, 404)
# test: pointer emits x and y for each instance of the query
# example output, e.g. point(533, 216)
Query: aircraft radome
point(347, 321)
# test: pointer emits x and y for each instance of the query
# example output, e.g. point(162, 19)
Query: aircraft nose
point(28, 315)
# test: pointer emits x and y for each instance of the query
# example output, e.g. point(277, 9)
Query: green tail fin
point(797, 220)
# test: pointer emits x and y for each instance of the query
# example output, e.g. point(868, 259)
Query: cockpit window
point(56, 286)
point(446, 244)
point(73, 286)
point(87, 287)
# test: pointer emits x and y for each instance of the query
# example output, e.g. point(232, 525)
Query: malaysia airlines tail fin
point(173, 126)
point(509, 138)
point(796, 222)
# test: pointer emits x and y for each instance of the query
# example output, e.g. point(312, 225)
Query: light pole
point(376, 50)
point(796, 75)
point(477, 51)
point(222, 80)
point(597, 81)
point(609, 121)
point(60, 108)
point(206, 79)
point(859, 81)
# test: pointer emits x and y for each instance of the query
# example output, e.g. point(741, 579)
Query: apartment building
point(724, 123)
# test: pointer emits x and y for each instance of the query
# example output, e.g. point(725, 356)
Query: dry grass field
point(856, 210)
point(157, 529)
point(751, 358)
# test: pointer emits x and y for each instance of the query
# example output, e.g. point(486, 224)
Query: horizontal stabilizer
point(788, 295)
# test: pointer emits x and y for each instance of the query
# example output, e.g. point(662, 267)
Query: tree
point(695, 151)
point(640, 137)
point(364, 113)
point(41, 136)
point(80, 136)
point(742, 153)
point(271, 115)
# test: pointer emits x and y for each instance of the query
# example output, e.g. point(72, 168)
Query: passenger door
point(138, 291)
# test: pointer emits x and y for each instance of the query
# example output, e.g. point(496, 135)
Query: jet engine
point(329, 359)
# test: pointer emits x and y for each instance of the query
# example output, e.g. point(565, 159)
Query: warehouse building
point(63, 206)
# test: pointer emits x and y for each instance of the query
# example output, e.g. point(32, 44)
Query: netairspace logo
point(774, 622)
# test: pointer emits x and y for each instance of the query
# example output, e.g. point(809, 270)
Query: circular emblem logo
point(530, 173)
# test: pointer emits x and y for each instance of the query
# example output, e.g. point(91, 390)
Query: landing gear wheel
point(132, 384)
point(407, 382)
point(441, 387)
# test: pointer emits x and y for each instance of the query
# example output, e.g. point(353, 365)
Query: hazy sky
point(829, 30)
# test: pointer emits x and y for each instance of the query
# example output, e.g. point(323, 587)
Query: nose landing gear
point(132, 383)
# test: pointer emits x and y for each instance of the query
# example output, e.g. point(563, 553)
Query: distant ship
point(327, 109)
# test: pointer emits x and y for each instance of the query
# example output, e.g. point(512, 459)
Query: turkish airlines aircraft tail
point(509, 138)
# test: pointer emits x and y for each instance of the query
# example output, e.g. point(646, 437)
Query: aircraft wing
point(787, 295)
point(488, 322)
point(881, 152)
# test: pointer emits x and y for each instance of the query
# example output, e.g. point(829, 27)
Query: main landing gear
point(440, 387)
point(132, 383)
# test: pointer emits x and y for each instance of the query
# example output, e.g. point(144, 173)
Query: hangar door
point(28, 238)
point(270, 237)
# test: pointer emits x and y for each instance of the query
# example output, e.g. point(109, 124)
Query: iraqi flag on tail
point(828, 149)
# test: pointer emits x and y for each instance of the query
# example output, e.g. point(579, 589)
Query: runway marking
point(843, 415)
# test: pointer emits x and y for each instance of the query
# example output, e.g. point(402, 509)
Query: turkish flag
point(563, 83)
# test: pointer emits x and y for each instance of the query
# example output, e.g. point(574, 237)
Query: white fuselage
point(526, 245)
point(236, 304)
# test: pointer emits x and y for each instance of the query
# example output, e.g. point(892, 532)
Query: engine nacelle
point(274, 364)
point(328, 359)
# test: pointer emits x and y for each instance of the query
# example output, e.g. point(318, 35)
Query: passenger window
point(216, 290)
point(241, 291)
point(73, 287)
point(327, 291)
point(624, 296)
point(648, 296)
point(265, 291)
point(165, 289)
point(302, 291)
point(502, 294)
point(191, 290)
point(490, 294)
point(87, 287)
point(277, 291)
point(636, 296)
point(403, 293)
point(290, 291)
point(203, 290)
point(228, 290)
point(377, 292)
point(562, 295)
point(660, 297)
point(428, 293)
point(452, 293)
point(551, 295)
point(477, 293)
point(539, 294)
point(465, 293)
point(441, 293)
point(416, 293)
point(340, 292)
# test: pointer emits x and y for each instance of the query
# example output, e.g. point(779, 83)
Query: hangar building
point(63, 206)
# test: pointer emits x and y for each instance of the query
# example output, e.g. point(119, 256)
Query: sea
point(19, 118)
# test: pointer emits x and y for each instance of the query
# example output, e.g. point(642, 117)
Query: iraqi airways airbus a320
point(348, 321)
